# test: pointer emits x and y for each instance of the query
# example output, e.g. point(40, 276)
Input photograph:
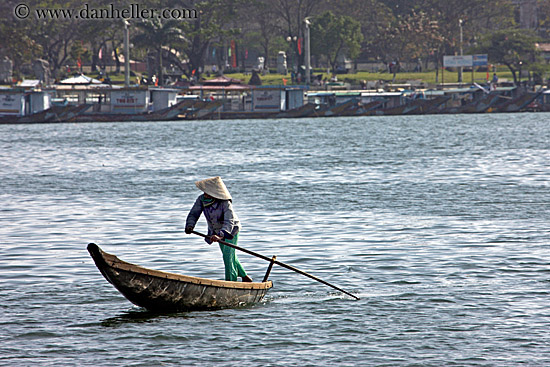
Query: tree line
point(385, 31)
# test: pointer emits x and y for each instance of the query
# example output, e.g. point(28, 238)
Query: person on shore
point(223, 223)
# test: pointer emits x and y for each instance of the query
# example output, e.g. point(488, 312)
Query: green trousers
point(233, 267)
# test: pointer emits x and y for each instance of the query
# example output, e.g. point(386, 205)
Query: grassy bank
point(356, 78)
point(428, 77)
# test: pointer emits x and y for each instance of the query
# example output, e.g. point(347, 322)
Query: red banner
point(233, 55)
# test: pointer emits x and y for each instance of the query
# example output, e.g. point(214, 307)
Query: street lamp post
point(126, 54)
point(308, 53)
point(293, 53)
point(461, 51)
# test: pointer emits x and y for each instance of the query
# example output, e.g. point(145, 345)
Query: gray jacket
point(221, 218)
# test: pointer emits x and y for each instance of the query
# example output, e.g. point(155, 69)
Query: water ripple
point(438, 225)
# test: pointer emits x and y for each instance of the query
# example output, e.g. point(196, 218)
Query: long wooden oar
point(278, 263)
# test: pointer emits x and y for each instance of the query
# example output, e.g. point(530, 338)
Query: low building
point(19, 102)
point(245, 98)
point(116, 100)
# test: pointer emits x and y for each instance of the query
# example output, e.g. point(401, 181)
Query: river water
point(438, 223)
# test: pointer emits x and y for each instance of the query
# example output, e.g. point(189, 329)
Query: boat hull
point(51, 115)
point(165, 292)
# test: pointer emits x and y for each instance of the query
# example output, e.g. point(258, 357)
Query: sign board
point(457, 61)
point(12, 104)
point(464, 61)
point(480, 60)
point(267, 100)
point(129, 101)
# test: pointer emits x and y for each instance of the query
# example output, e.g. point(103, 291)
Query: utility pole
point(461, 51)
point(308, 53)
point(126, 54)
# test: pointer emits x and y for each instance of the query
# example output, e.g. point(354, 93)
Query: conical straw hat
point(214, 187)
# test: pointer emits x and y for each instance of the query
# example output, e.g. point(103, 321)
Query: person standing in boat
point(223, 223)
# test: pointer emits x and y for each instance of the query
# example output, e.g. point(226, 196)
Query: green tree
point(411, 37)
point(290, 15)
point(374, 17)
point(157, 34)
point(514, 48)
point(335, 35)
point(18, 44)
point(213, 25)
point(263, 33)
point(60, 41)
point(478, 17)
point(543, 27)
point(55, 36)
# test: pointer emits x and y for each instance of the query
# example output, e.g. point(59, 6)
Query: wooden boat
point(518, 103)
point(160, 291)
point(367, 108)
point(51, 115)
point(428, 106)
point(186, 109)
point(307, 110)
point(412, 107)
point(338, 109)
point(481, 105)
